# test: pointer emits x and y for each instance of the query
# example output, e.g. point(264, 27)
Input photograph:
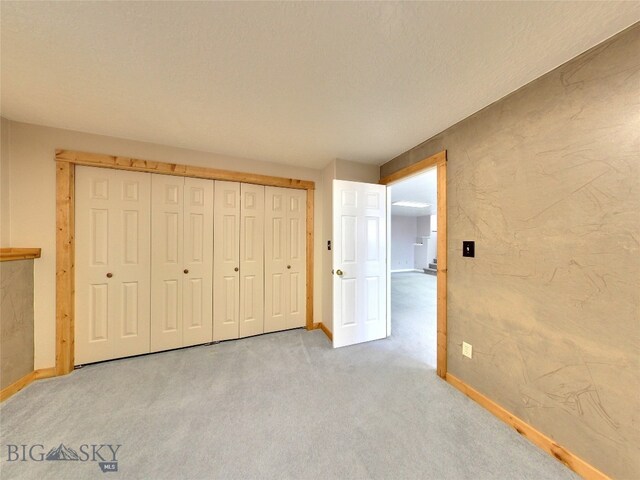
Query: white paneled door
point(251, 260)
point(167, 197)
point(112, 221)
point(181, 258)
point(239, 260)
point(226, 262)
point(359, 258)
point(285, 254)
point(197, 293)
point(296, 249)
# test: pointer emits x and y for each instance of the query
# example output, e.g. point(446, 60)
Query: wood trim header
point(415, 168)
point(8, 254)
point(138, 165)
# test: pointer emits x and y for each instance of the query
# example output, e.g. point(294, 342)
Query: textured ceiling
point(297, 82)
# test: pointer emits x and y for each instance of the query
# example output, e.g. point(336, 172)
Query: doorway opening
point(417, 249)
point(413, 269)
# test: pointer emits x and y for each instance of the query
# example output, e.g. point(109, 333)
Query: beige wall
point(16, 320)
point(328, 174)
point(32, 204)
point(547, 182)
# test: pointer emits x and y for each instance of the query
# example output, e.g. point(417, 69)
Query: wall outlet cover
point(467, 349)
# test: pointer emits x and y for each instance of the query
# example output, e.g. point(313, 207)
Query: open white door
point(359, 262)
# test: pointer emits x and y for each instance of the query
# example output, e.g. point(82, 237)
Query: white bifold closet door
point(251, 260)
point(181, 261)
point(239, 260)
point(112, 220)
point(226, 262)
point(285, 258)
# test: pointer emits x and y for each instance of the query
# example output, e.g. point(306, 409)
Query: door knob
point(236, 269)
point(288, 266)
point(339, 272)
point(109, 275)
point(186, 270)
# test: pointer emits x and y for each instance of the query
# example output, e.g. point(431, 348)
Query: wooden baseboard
point(323, 327)
point(45, 373)
point(16, 386)
point(326, 331)
point(536, 437)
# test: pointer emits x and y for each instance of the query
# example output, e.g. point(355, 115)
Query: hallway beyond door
point(413, 315)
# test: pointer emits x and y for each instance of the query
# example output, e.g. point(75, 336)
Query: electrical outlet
point(467, 349)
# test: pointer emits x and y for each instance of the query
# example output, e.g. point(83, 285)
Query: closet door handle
point(236, 269)
point(186, 270)
point(109, 275)
point(289, 266)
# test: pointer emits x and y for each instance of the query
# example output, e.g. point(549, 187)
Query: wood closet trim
point(138, 165)
point(310, 207)
point(65, 266)
point(66, 160)
point(438, 160)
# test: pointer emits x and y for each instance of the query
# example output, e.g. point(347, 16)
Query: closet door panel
point(133, 272)
point(226, 261)
point(275, 245)
point(296, 262)
point(251, 260)
point(197, 317)
point(167, 217)
point(112, 264)
point(94, 259)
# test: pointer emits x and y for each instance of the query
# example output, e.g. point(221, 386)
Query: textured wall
point(16, 320)
point(547, 182)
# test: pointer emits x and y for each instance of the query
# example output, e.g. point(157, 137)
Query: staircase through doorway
point(433, 268)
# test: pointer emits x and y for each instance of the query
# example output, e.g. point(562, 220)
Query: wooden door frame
point(66, 161)
point(438, 160)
